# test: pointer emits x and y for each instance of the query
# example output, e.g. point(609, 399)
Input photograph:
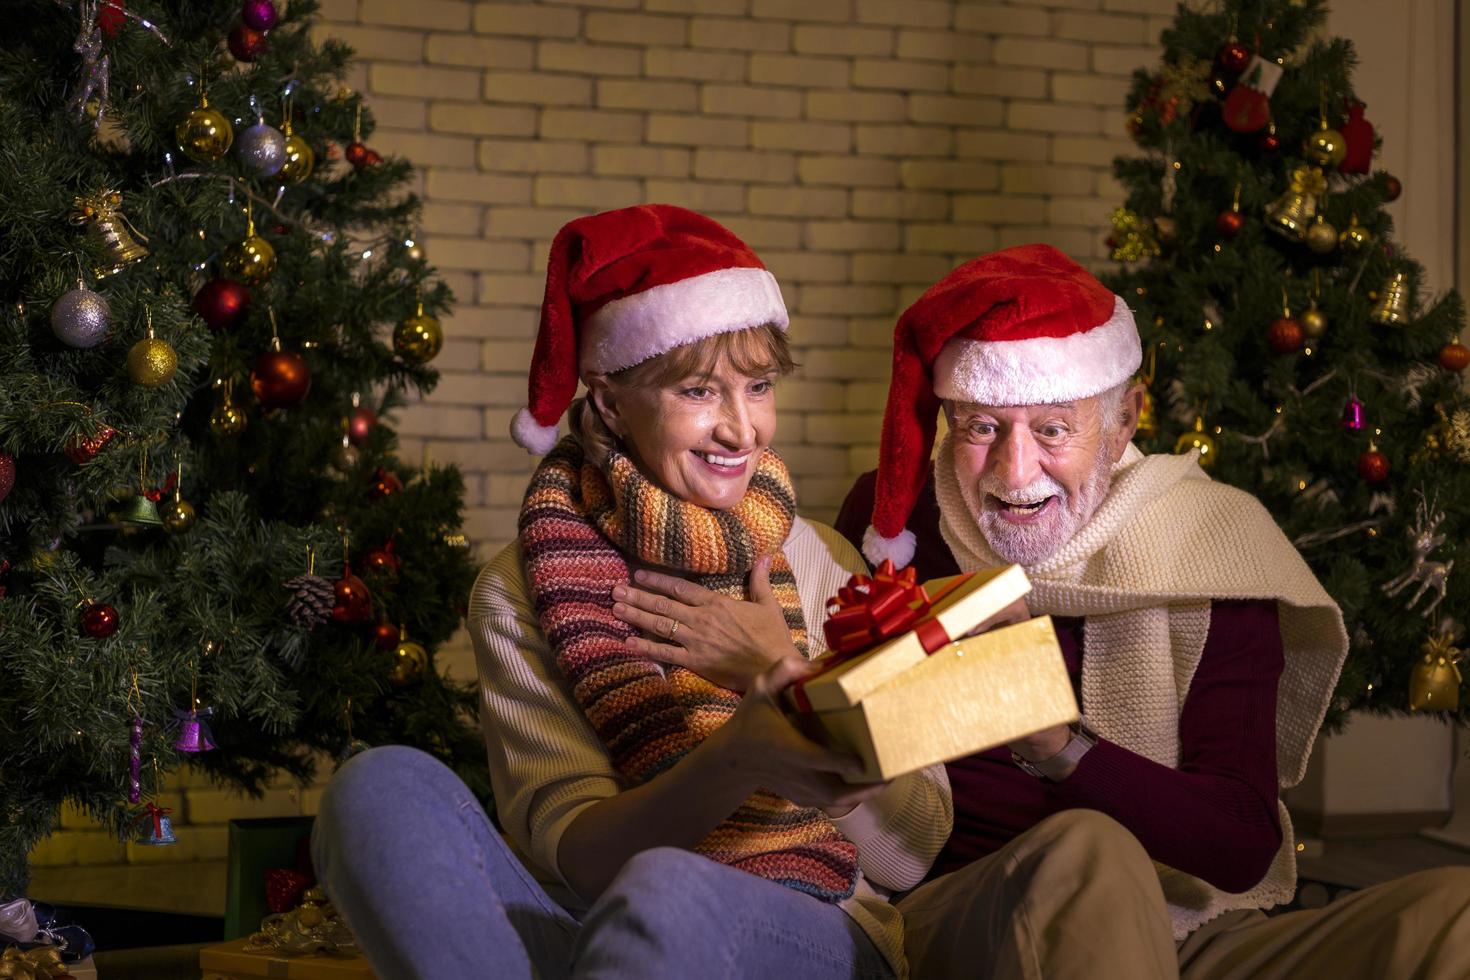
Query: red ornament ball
point(371, 159)
point(259, 14)
point(246, 44)
point(99, 620)
point(280, 379)
point(1453, 356)
point(1373, 466)
point(1269, 142)
point(1233, 57)
point(360, 425)
point(385, 484)
point(1285, 335)
point(221, 303)
point(110, 17)
point(356, 154)
point(1392, 188)
point(383, 560)
point(1229, 223)
point(385, 636)
point(7, 475)
point(353, 602)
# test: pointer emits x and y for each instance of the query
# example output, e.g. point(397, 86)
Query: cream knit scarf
point(1163, 544)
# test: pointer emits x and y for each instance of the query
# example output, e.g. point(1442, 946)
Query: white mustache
point(1034, 492)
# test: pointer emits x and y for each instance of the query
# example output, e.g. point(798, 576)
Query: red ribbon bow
point(157, 813)
point(868, 611)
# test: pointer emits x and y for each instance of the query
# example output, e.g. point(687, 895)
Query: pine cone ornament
point(311, 600)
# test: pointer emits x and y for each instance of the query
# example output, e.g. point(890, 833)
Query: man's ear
point(1128, 410)
point(604, 397)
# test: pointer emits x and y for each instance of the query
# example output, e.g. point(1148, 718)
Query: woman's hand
point(759, 744)
point(728, 641)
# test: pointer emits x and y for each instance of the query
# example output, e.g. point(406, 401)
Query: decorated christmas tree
point(1288, 337)
point(211, 296)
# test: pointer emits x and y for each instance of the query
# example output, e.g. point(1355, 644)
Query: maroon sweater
point(1214, 817)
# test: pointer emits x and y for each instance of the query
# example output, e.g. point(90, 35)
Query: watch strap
point(1083, 739)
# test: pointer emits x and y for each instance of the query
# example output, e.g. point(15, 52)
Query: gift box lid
point(957, 606)
point(230, 960)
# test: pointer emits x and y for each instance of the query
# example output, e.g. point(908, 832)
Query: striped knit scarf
point(580, 526)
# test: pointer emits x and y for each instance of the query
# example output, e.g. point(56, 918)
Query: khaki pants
point(1077, 896)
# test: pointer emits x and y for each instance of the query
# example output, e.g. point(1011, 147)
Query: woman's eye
point(762, 387)
point(697, 391)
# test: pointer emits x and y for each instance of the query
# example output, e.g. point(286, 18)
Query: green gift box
point(256, 846)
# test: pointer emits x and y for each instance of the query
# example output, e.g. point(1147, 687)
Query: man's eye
point(1052, 431)
point(982, 429)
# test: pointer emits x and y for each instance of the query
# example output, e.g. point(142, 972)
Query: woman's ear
point(603, 395)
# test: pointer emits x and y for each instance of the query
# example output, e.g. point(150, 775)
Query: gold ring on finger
point(673, 629)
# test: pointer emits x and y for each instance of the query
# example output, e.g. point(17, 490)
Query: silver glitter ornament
point(262, 148)
point(80, 318)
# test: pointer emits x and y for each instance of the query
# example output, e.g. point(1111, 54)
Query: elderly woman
point(667, 820)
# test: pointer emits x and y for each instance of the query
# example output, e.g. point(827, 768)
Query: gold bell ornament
point(1354, 236)
point(1197, 438)
point(300, 158)
point(205, 134)
point(1435, 683)
point(253, 260)
point(228, 418)
point(418, 338)
point(1292, 213)
point(410, 660)
point(109, 229)
point(178, 514)
point(152, 362)
point(1392, 308)
point(140, 510)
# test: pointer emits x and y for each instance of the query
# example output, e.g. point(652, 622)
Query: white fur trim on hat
point(631, 330)
point(1040, 370)
point(899, 549)
point(531, 435)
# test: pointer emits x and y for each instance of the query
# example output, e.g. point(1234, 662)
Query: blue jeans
point(431, 891)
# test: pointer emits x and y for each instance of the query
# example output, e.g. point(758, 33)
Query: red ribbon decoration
point(159, 493)
point(157, 813)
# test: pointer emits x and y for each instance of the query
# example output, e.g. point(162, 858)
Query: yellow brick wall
point(862, 147)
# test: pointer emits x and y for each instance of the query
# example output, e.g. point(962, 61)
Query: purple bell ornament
point(194, 734)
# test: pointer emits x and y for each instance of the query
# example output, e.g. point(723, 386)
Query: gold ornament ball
point(205, 134)
point(251, 261)
point(1434, 685)
point(152, 362)
point(1326, 147)
point(178, 516)
point(300, 160)
point(418, 338)
point(415, 252)
point(1321, 237)
point(1313, 321)
point(1354, 237)
point(410, 660)
point(1197, 438)
point(227, 420)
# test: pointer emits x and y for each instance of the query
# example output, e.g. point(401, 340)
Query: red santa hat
point(1023, 326)
point(628, 285)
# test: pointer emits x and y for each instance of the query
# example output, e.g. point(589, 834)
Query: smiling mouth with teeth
point(1023, 508)
point(725, 461)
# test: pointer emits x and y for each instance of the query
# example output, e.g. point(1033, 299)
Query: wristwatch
point(1083, 738)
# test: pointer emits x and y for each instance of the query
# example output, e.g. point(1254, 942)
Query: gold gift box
point(968, 696)
point(230, 961)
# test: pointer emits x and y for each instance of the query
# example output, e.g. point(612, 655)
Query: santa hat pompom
point(531, 435)
point(898, 549)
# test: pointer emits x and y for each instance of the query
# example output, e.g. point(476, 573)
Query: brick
point(856, 106)
point(1122, 61)
point(1079, 243)
point(588, 59)
point(697, 131)
point(478, 52)
point(852, 236)
point(482, 120)
point(984, 18)
point(438, 15)
point(847, 171)
point(198, 844)
point(640, 29)
point(752, 101)
point(1095, 150)
point(538, 88)
point(747, 165)
point(999, 209)
point(605, 4)
point(441, 421)
point(442, 83)
point(842, 430)
point(828, 137)
point(470, 185)
point(461, 354)
point(524, 19)
point(599, 193)
point(219, 806)
point(952, 238)
point(391, 113)
point(905, 141)
point(1157, 7)
point(904, 76)
point(957, 110)
point(800, 71)
point(78, 847)
point(628, 94)
point(1099, 90)
point(909, 205)
point(739, 35)
point(804, 266)
point(1101, 28)
point(860, 459)
point(699, 196)
point(477, 254)
point(641, 161)
point(847, 365)
point(507, 288)
point(870, 331)
point(1007, 83)
point(340, 10)
point(1053, 118)
point(599, 125)
point(872, 41)
point(830, 11)
point(374, 43)
point(1046, 180)
point(450, 151)
point(908, 13)
point(698, 65)
point(484, 321)
point(814, 460)
point(822, 331)
point(1086, 212)
point(793, 201)
point(765, 233)
point(950, 175)
point(718, 8)
point(534, 156)
point(1002, 144)
point(943, 46)
point(898, 267)
point(1039, 53)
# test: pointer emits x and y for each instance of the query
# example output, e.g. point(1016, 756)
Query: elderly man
point(1145, 841)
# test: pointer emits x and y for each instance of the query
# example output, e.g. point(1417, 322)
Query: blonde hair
point(754, 351)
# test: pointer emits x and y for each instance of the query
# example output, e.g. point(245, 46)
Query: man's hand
point(728, 641)
point(1043, 745)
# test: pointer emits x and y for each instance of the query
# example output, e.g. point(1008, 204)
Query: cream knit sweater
point(1144, 570)
point(547, 764)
